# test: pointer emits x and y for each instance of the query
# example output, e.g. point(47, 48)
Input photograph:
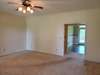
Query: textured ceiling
point(52, 6)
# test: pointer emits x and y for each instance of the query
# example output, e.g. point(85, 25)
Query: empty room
point(49, 37)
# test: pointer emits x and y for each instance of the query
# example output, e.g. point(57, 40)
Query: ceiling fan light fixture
point(31, 11)
point(28, 9)
point(20, 8)
point(24, 11)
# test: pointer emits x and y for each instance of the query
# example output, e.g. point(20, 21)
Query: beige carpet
point(34, 63)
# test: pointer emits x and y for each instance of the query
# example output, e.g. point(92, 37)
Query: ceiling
point(52, 6)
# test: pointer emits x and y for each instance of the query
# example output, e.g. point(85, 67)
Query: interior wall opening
point(75, 38)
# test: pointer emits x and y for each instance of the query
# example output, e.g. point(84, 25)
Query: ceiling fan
point(26, 6)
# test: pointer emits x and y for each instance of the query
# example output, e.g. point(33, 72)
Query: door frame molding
point(66, 38)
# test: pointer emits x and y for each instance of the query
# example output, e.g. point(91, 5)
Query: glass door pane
point(70, 38)
point(82, 35)
point(81, 49)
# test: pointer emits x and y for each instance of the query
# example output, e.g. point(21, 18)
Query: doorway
point(75, 39)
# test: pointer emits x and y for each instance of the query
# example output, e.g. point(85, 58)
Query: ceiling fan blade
point(13, 3)
point(25, 0)
point(39, 7)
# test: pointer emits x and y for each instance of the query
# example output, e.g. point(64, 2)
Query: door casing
point(66, 37)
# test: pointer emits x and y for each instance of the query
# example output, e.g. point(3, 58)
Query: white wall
point(12, 33)
point(48, 31)
point(31, 39)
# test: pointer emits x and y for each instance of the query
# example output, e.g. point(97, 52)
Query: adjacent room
point(49, 37)
point(75, 39)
